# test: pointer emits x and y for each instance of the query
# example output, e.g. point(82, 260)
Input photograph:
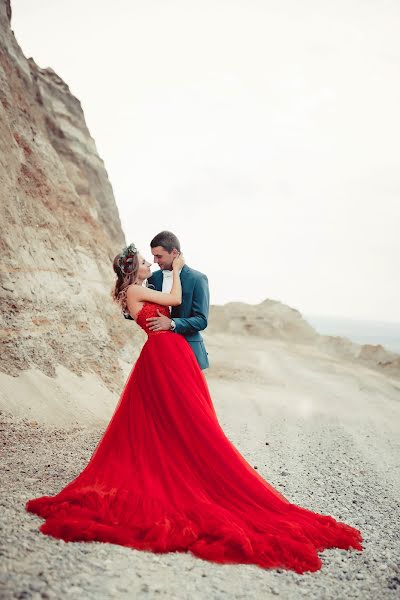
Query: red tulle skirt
point(165, 478)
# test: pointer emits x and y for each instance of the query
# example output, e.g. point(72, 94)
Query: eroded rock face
point(269, 319)
point(60, 228)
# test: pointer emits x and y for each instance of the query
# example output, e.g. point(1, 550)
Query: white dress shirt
point(167, 281)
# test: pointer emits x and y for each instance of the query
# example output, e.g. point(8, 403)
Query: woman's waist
point(152, 334)
point(167, 336)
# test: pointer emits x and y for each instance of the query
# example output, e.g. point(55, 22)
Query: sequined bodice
point(149, 309)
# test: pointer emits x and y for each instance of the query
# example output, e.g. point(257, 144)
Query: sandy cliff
point(59, 229)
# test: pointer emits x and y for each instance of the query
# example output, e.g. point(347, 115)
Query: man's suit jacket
point(191, 316)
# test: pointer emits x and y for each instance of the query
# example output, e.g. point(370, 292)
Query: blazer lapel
point(184, 273)
point(176, 311)
point(157, 280)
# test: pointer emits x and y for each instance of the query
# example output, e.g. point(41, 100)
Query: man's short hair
point(167, 240)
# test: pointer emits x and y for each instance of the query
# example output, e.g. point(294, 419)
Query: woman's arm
point(199, 311)
point(139, 293)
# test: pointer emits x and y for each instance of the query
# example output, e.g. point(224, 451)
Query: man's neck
point(170, 270)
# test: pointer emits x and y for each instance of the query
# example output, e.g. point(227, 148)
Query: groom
point(190, 317)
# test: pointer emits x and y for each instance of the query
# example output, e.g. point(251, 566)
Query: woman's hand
point(178, 262)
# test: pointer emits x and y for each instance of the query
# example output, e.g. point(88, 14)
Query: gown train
point(165, 478)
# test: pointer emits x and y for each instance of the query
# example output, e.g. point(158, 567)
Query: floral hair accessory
point(128, 251)
point(126, 258)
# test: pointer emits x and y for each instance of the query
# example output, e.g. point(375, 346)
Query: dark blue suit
point(191, 316)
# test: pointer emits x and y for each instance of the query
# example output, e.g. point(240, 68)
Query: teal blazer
point(191, 316)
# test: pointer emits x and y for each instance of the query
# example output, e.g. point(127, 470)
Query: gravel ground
point(332, 466)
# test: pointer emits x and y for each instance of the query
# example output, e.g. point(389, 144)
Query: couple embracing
point(191, 316)
point(164, 477)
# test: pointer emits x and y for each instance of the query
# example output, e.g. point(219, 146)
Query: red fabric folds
point(164, 477)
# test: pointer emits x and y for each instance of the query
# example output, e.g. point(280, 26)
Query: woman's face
point(144, 271)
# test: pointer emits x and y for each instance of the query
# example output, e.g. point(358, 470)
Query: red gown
point(165, 478)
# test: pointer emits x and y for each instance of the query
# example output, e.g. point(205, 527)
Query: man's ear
point(175, 253)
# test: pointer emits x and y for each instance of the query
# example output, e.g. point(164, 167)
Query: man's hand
point(160, 323)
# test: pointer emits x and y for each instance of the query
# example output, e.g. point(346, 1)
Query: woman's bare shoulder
point(133, 290)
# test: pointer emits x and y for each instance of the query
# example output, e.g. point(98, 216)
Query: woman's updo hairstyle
point(126, 266)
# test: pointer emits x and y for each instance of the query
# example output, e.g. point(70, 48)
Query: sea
point(359, 331)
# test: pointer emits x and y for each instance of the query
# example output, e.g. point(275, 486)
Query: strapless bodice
point(149, 309)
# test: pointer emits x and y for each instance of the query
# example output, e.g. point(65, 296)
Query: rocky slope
point(59, 228)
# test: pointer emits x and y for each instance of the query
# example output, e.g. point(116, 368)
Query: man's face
point(163, 258)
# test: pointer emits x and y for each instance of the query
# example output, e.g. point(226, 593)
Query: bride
point(165, 478)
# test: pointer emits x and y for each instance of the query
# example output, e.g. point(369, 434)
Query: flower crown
point(126, 258)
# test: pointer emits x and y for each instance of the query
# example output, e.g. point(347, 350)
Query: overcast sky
point(265, 134)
